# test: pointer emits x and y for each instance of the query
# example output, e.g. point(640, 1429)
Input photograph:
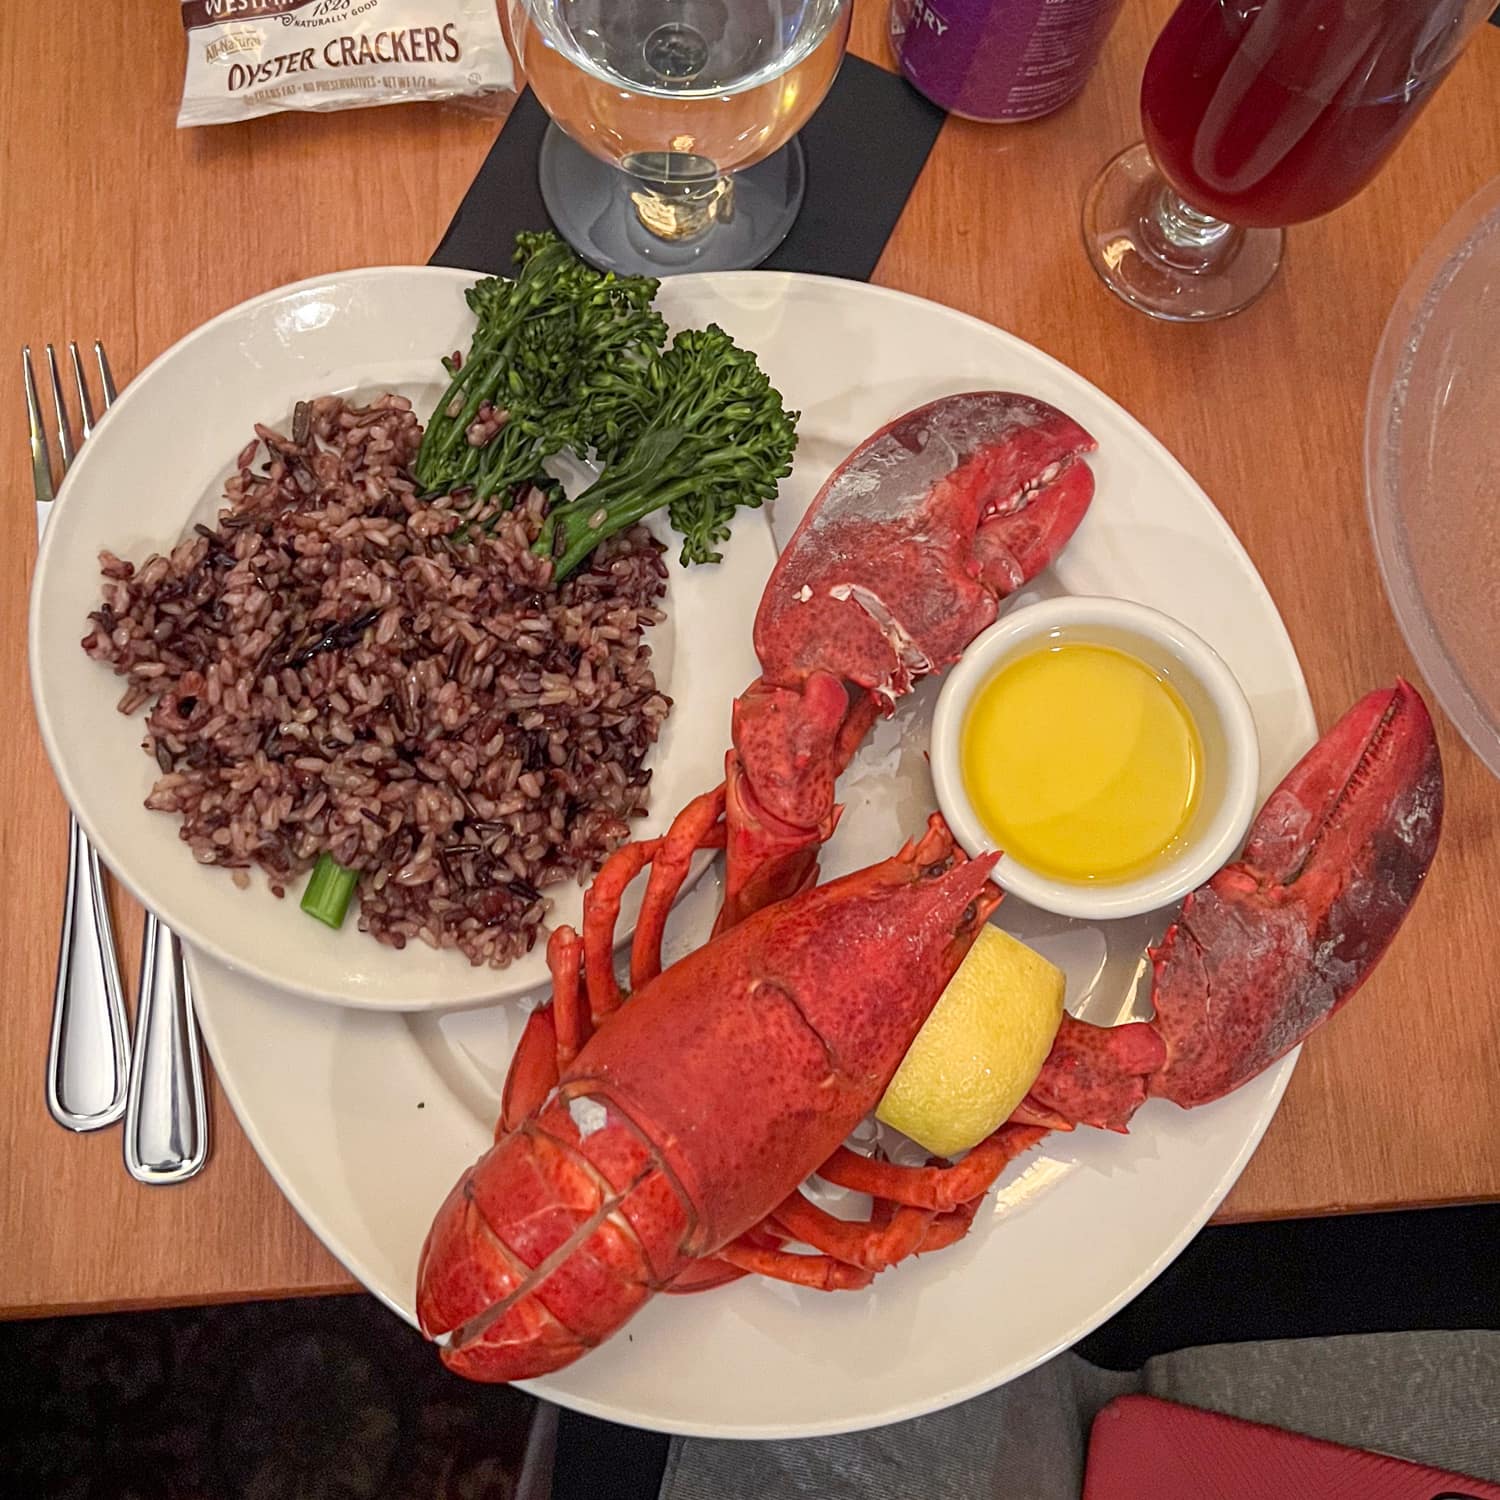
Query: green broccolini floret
point(556, 350)
point(708, 435)
point(569, 359)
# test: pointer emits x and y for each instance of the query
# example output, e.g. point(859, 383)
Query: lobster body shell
point(694, 1111)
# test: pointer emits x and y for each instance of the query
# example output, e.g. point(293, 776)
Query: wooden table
point(121, 227)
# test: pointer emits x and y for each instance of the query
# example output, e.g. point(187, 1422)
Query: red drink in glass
point(1259, 114)
point(1269, 112)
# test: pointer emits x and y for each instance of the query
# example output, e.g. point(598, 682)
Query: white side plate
point(158, 463)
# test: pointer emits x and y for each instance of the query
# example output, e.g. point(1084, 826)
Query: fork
point(88, 1056)
point(166, 1119)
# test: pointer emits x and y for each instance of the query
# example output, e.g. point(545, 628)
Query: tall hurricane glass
point(1259, 114)
point(673, 138)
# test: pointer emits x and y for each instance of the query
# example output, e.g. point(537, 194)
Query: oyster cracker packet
point(254, 57)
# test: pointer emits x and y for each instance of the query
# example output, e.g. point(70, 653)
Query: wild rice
point(337, 667)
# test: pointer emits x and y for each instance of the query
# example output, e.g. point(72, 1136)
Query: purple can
point(1000, 59)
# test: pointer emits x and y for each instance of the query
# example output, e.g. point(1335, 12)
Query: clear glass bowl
point(1432, 467)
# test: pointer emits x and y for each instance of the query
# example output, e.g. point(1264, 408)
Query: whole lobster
point(659, 1145)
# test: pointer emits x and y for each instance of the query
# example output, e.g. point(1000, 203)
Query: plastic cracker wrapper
point(255, 57)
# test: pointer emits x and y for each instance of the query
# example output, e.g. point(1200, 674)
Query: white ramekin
point(1231, 751)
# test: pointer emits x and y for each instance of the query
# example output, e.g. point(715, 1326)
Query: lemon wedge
point(981, 1048)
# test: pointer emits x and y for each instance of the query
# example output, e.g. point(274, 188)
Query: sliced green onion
point(329, 891)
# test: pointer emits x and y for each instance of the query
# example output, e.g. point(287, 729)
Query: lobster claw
point(900, 561)
point(903, 555)
point(1274, 944)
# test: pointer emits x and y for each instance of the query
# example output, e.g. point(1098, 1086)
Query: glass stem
point(1183, 237)
point(682, 211)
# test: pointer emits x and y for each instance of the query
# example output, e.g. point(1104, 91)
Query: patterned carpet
point(327, 1399)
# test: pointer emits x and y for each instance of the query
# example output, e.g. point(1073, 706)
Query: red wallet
point(1145, 1449)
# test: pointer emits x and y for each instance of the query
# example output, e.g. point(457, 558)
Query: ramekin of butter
point(1104, 747)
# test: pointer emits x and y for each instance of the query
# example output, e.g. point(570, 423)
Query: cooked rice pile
point(333, 668)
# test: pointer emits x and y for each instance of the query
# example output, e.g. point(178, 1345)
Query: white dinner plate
point(135, 491)
point(366, 1119)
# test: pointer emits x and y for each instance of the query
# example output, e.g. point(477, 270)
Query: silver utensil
point(162, 1099)
point(88, 1056)
point(166, 1115)
point(166, 1119)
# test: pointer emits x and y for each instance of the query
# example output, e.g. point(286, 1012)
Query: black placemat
point(865, 148)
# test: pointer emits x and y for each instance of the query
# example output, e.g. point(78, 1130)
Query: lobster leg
point(758, 1251)
point(891, 1234)
point(823, 1273)
point(572, 1021)
point(601, 912)
point(703, 1275)
point(552, 1037)
point(533, 1071)
point(555, 1033)
point(934, 1188)
point(872, 1246)
point(949, 1228)
point(696, 827)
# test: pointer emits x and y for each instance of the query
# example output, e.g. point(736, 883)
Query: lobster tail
point(549, 1244)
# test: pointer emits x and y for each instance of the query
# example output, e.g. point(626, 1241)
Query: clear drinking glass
point(1259, 114)
point(672, 145)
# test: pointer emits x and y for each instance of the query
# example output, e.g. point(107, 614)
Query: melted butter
point(1082, 762)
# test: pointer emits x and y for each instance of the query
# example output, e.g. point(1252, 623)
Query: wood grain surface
point(121, 227)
